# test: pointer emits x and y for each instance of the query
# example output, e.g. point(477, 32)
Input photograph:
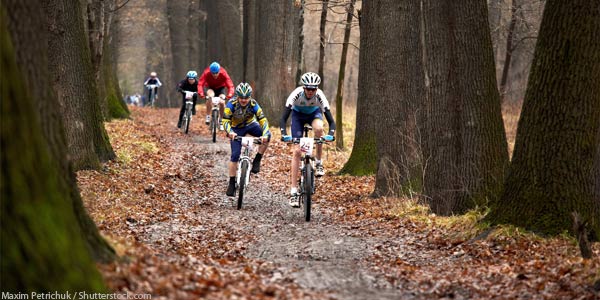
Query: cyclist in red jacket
point(213, 82)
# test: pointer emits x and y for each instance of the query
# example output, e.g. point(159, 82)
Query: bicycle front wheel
point(308, 173)
point(188, 114)
point(215, 122)
point(242, 184)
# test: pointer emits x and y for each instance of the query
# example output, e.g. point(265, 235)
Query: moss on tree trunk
point(551, 174)
point(42, 248)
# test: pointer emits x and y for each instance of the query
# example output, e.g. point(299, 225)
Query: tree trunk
point(363, 160)
point(339, 108)
point(397, 88)
point(224, 26)
point(322, 25)
point(179, 27)
point(250, 36)
point(73, 82)
point(551, 175)
point(277, 22)
point(98, 19)
point(465, 145)
point(509, 50)
point(300, 55)
point(158, 56)
point(42, 247)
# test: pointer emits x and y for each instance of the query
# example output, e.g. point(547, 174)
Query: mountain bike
point(242, 179)
point(306, 181)
point(187, 115)
point(214, 118)
point(152, 89)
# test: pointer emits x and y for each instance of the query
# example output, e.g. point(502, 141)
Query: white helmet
point(152, 74)
point(310, 80)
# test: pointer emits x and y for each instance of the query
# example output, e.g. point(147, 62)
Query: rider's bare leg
point(222, 106)
point(295, 167)
point(317, 125)
point(232, 168)
point(210, 93)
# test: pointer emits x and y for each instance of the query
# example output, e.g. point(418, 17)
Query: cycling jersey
point(154, 80)
point(236, 116)
point(184, 85)
point(223, 80)
point(297, 101)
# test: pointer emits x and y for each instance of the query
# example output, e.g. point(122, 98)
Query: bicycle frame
point(306, 180)
point(244, 164)
point(214, 117)
point(152, 88)
point(187, 115)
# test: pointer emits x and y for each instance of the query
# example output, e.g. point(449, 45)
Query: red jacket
point(222, 80)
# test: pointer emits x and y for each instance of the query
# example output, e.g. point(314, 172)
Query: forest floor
point(163, 207)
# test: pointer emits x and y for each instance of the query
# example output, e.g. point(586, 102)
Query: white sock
point(294, 191)
point(318, 161)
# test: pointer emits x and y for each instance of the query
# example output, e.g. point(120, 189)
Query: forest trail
point(163, 205)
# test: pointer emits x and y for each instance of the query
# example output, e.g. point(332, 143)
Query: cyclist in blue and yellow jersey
point(244, 116)
point(307, 104)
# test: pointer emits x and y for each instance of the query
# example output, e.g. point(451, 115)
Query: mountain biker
point(215, 79)
point(306, 104)
point(153, 79)
point(244, 116)
point(189, 84)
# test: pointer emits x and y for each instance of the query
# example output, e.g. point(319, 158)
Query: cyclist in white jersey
point(307, 104)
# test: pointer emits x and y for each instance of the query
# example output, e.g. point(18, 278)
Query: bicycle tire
point(188, 120)
point(184, 122)
point(215, 127)
point(307, 190)
point(242, 184)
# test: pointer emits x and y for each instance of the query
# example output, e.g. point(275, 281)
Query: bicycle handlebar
point(257, 140)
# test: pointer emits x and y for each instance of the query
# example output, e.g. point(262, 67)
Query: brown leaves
point(162, 206)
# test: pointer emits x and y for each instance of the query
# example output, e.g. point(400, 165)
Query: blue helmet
point(192, 74)
point(243, 90)
point(215, 67)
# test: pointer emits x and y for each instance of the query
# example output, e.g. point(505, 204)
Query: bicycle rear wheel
point(215, 123)
point(307, 190)
point(242, 184)
point(188, 114)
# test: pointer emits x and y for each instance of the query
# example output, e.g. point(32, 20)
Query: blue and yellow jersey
point(236, 116)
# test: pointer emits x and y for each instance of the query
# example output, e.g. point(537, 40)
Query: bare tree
point(324, 9)
point(74, 83)
point(465, 144)
point(42, 245)
point(276, 22)
point(339, 108)
point(551, 174)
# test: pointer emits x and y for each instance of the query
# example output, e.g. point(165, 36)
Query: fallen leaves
point(161, 205)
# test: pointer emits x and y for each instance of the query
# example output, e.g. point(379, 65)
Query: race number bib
point(306, 145)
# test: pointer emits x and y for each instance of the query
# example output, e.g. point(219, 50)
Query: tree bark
point(224, 25)
point(74, 83)
point(277, 22)
point(551, 174)
point(465, 145)
point(179, 27)
point(322, 25)
point(363, 160)
point(509, 50)
point(42, 245)
point(339, 108)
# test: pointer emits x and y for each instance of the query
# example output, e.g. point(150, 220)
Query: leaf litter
point(162, 206)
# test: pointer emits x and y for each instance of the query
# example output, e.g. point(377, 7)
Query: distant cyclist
point(244, 116)
point(153, 79)
point(306, 104)
point(215, 79)
point(189, 84)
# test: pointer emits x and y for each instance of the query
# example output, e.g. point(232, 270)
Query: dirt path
point(166, 211)
point(317, 255)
